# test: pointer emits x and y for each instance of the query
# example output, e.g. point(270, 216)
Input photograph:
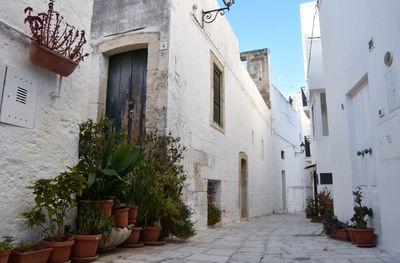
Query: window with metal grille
point(326, 178)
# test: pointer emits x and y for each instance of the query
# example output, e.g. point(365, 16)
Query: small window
point(217, 96)
point(324, 115)
point(283, 155)
point(326, 178)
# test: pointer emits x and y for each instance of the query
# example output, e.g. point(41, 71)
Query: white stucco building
point(359, 41)
point(316, 107)
point(172, 73)
point(289, 128)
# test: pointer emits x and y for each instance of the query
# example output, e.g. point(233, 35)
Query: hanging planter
point(56, 45)
point(51, 60)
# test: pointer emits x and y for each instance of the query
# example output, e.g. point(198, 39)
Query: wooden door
point(126, 92)
point(363, 155)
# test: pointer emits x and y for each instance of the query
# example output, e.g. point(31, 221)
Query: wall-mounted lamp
point(210, 16)
point(302, 148)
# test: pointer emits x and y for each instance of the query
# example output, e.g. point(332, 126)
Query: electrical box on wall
point(18, 103)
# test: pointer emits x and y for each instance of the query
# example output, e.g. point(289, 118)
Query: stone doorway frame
point(155, 63)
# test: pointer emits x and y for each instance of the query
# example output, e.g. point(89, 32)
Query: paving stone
point(272, 239)
point(208, 258)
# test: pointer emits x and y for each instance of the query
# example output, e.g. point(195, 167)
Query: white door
point(363, 156)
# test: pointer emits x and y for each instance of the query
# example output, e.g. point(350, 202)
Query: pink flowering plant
point(49, 30)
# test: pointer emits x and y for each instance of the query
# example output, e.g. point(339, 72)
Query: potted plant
point(336, 229)
point(56, 45)
point(130, 196)
point(5, 248)
point(26, 252)
point(312, 211)
point(151, 204)
point(106, 159)
point(54, 199)
point(91, 225)
point(163, 178)
point(364, 236)
point(213, 214)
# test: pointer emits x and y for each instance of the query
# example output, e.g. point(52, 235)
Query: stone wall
point(213, 154)
point(44, 151)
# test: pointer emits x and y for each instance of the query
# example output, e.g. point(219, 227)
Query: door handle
point(359, 153)
point(368, 151)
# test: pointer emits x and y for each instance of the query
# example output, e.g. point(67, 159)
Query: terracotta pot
point(61, 250)
point(316, 219)
point(134, 237)
point(35, 256)
point(51, 60)
point(4, 255)
point(121, 217)
point(364, 237)
point(105, 205)
point(340, 234)
point(85, 246)
point(151, 234)
point(351, 236)
point(133, 211)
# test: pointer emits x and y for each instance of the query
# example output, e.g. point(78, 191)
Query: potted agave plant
point(55, 45)
point(54, 199)
point(91, 226)
point(362, 234)
point(5, 248)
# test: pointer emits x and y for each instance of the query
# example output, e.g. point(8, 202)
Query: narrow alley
point(275, 238)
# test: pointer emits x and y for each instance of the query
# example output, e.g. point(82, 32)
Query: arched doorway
point(243, 185)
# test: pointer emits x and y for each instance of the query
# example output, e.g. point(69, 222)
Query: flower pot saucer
point(106, 249)
point(366, 245)
point(83, 260)
point(155, 243)
point(140, 244)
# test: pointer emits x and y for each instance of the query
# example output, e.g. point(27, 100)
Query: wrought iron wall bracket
point(210, 16)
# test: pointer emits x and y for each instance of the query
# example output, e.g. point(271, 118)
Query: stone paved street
point(276, 238)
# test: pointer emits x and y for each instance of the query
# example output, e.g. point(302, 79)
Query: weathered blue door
point(126, 92)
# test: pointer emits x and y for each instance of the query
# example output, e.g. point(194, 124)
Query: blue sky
point(272, 24)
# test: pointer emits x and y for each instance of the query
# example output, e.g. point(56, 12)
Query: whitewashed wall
point(346, 29)
point(216, 154)
point(45, 150)
point(315, 79)
point(287, 136)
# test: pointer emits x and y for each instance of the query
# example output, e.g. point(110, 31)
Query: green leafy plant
point(332, 223)
point(361, 213)
point(320, 206)
point(106, 158)
point(311, 208)
point(181, 225)
point(325, 204)
point(92, 221)
point(25, 246)
point(54, 198)
point(161, 177)
point(6, 244)
point(213, 214)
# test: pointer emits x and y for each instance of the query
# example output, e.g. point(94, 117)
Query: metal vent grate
point(21, 95)
point(18, 104)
